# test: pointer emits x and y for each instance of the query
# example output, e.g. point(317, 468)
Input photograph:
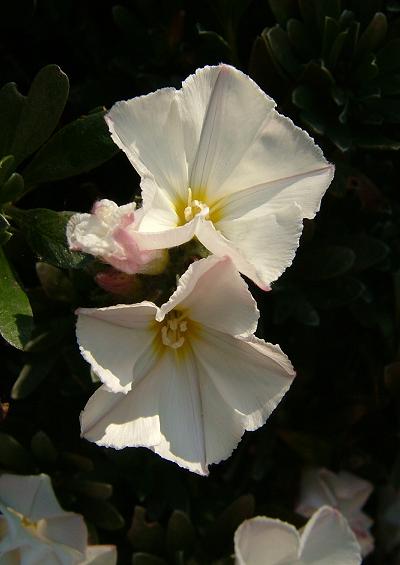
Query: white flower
point(187, 379)
point(344, 491)
point(109, 233)
point(217, 161)
point(35, 530)
point(325, 540)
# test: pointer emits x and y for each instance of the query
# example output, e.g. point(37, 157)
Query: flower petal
point(101, 555)
point(348, 487)
point(32, 496)
point(252, 376)
point(113, 339)
point(206, 419)
point(158, 211)
point(282, 165)
point(314, 492)
point(264, 541)
point(221, 110)
point(214, 294)
point(180, 409)
point(68, 530)
point(328, 540)
point(149, 130)
point(261, 248)
point(123, 420)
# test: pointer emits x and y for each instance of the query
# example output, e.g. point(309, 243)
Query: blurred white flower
point(343, 491)
point(187, 379)
point(35, 530)
point(108, 232)
point(326, 539)
point(218, 162)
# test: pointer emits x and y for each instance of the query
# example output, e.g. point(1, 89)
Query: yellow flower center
point(195, 207)
point(174, 329)
point(197, 203)
point(26, 522)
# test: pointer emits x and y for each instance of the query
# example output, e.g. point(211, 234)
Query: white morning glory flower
point(218, 162)
point(326, 539)
point(35, 530)
point(187, 379)
point(344, 491)
point(108, 232)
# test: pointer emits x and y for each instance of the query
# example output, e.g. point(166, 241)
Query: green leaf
point(147, 559)
point(322, 263)
point(296, 306)
point(13, 456)
point(326, 8)
point(7, 166)
point(313, 121)
point(368, 251)
point(43, 448)
point(300, 39)
point(77, 148)
point(313, 450)
point(341, 136)
point(92, 489)
point(222, 531)
point(387, 58)
point(41, 112)
point(331, 31)
point(12, 189)
point(373, 35)
point(11, 105)
point(281, 49)
point(283, 10)
point(337, 293)
point(180, 533)
point(32, 375)
point(214, 46)
point(307, 11)
point(55, 282)
point(15, 311)
point(377, 141)
point(145, 535)
point(45, 231)
point(102, 513)
point(337, 48)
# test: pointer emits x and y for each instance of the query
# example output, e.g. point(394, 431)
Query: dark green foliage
point(338, 60)
point(333, 66)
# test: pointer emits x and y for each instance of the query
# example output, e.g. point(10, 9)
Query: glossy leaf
point(12, 189)
point(281, 50)
point(283, 10)
point(325, 262)
point(44, 231)
point(7, 166)
point(43, 448)
point(31, 376)
point(11, 105)
point(77, 148)
point(180, 533)
point(16, 321)
point(373, 36)
point(103, 514)
point(13, 456)
point(145, 535)
point(41, 111)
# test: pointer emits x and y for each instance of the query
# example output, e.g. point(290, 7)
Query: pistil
point(173, 330)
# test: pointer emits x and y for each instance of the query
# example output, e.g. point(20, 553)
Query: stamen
point(174, 326)
point(194, 207)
